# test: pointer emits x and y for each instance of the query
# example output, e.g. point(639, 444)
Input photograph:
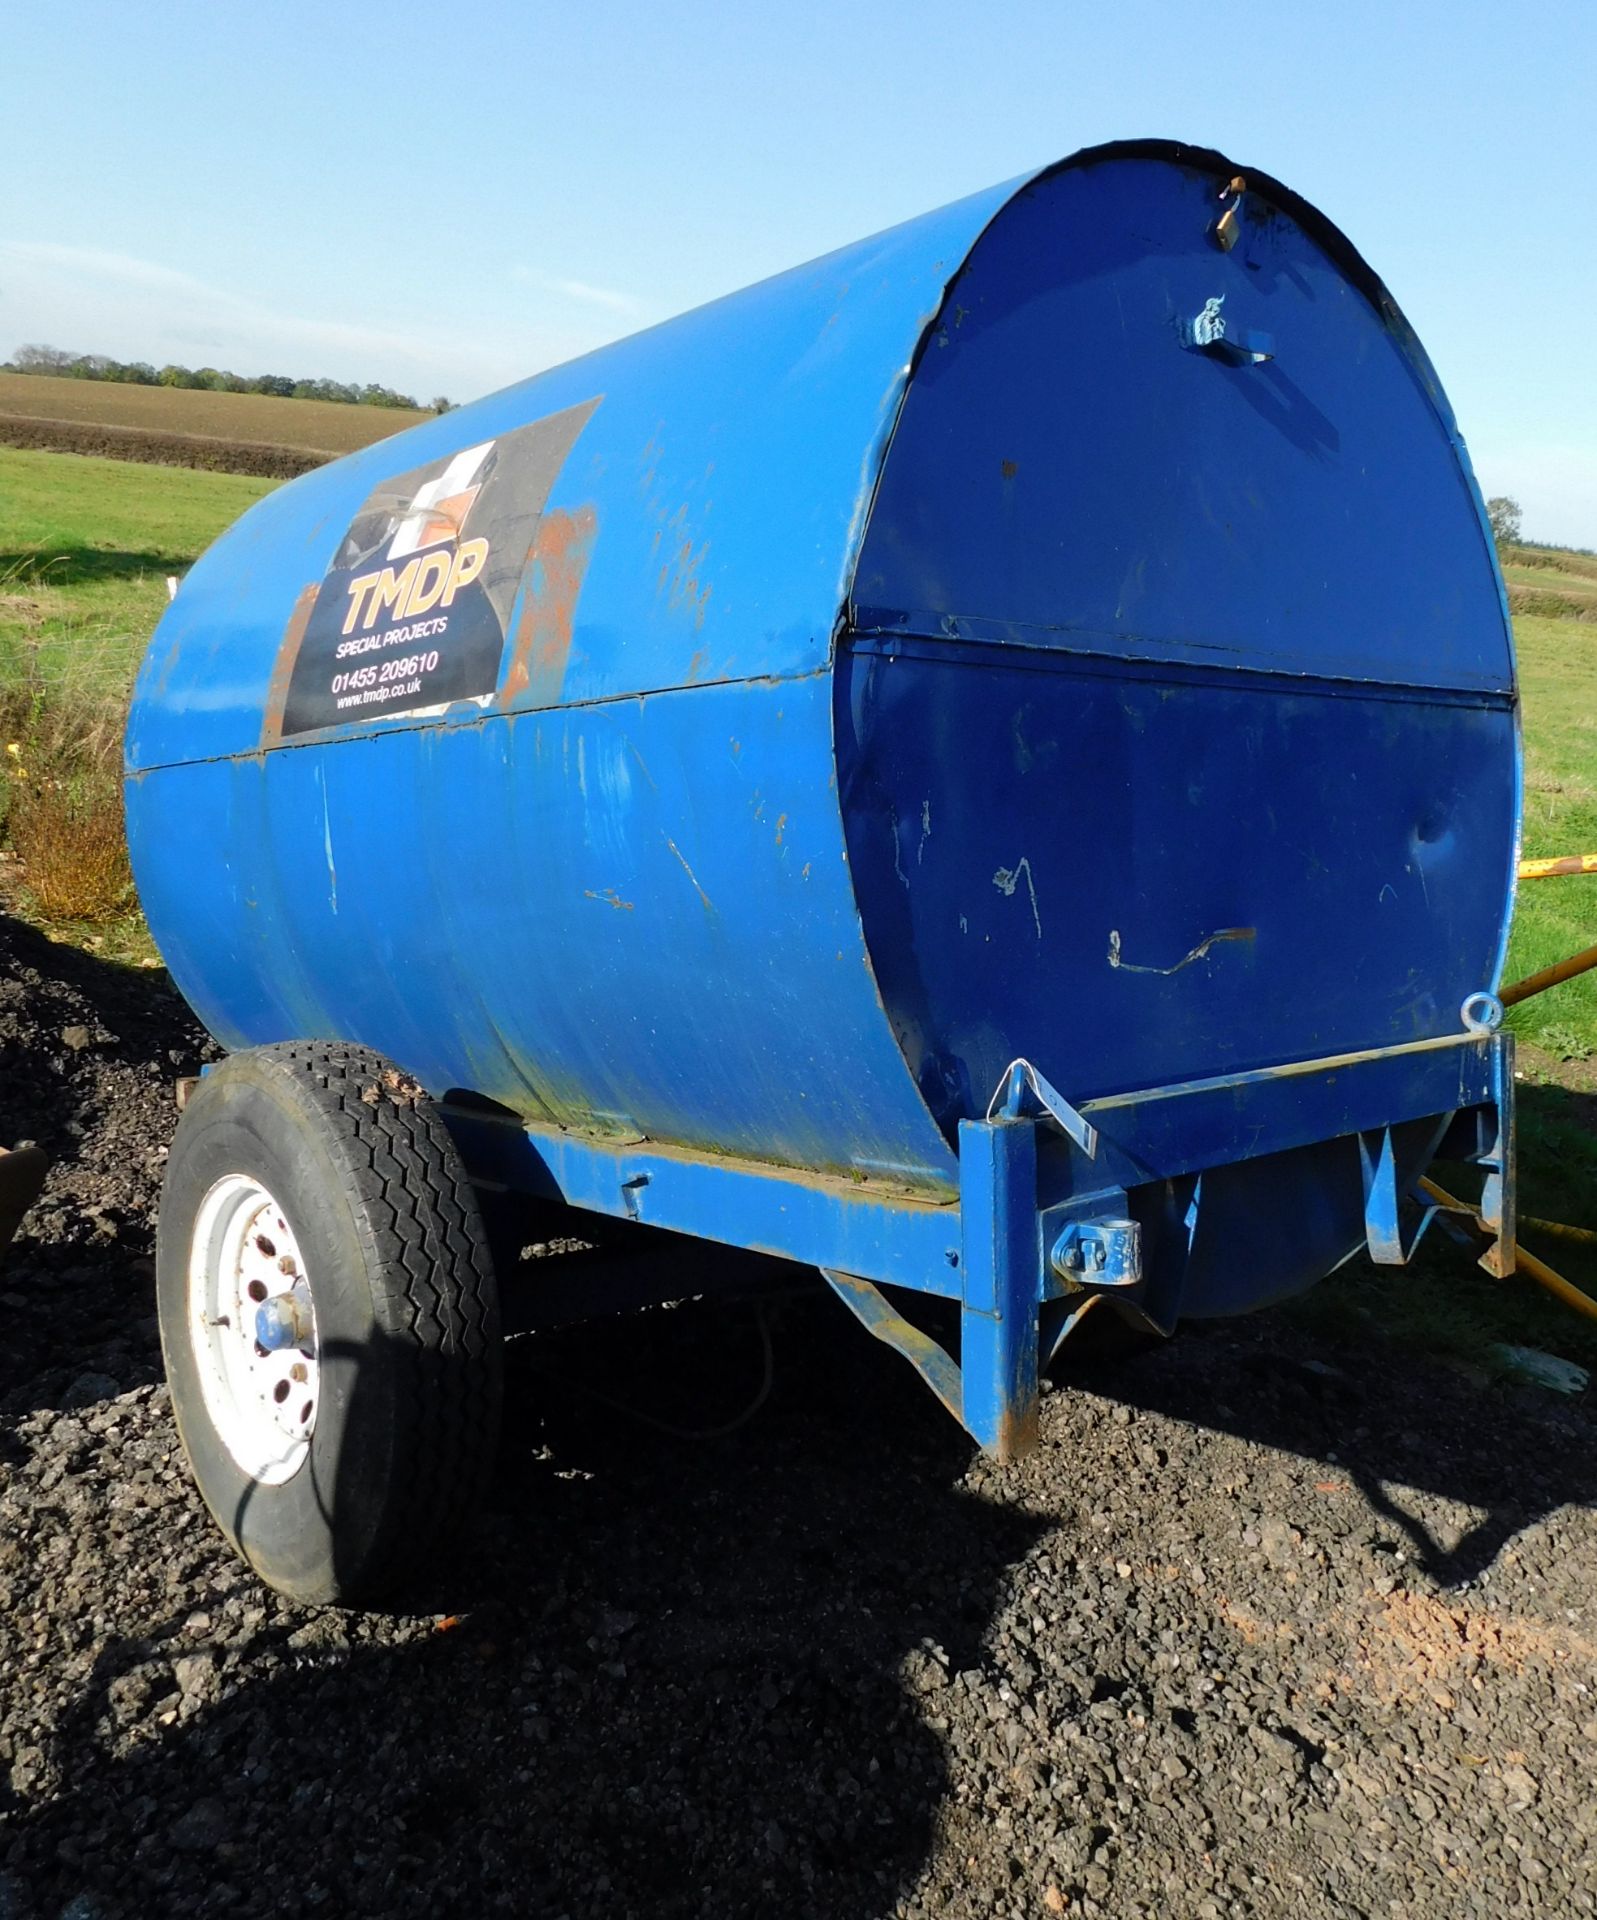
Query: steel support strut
point(1001, 1265)
point(1123, 1183)
point(1497, 1156)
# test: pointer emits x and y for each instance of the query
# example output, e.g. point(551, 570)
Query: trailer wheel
point(328, 1317)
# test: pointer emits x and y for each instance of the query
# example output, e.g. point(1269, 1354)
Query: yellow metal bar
point(1445, 1199)
point(1526, 1263)
point(1557, 1285)
point(1256, 1076)
point(1549, 977)
point(1552, 869)
point(1560, 1231)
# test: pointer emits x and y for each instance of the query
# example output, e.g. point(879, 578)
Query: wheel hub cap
point(253, 1325)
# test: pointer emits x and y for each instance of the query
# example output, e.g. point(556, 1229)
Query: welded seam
point(478, 718)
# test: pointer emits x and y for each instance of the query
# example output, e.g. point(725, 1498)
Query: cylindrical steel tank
point(1062, 626)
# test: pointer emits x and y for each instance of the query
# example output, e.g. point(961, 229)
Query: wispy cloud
point(98, 263)
point(582, 291)
point(208, 315)
point(98, 301)
point(595, 296)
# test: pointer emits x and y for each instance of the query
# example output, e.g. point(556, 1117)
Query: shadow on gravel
point(117, 1016)
point(89, 1050)
point(1386, 1418)
point(688, 1678)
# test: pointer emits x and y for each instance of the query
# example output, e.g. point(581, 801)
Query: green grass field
point(85, 548)
point(1558, 680)
point(1554, 919)
point(316, 426)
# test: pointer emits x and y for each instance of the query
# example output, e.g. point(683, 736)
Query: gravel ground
point(1265, 1628)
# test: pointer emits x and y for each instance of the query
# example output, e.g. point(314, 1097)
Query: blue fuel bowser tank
point(986, 764)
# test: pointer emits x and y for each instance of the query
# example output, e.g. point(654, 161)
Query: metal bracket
point(1384, 1235)
point(1005, 1279)
point(1482, 1135)
point(1211, 333)
point(1099, 1253)
point(1021, 1077)
point(1497, 1157)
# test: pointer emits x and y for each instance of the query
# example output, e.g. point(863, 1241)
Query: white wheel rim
point(262, 1402)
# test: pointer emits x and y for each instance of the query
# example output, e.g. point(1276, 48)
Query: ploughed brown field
point(103, 417)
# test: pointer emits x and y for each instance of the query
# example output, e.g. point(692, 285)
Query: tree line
point(140, 373)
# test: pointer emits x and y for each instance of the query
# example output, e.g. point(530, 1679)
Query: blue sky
point(449, 199)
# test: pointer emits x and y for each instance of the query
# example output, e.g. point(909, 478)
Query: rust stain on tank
point(557, 564)
point(283, 667)
point(679, 579)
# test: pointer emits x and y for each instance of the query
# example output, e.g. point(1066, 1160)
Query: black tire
point(408, 1347)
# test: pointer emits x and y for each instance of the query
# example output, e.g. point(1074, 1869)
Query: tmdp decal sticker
point(414, 612)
